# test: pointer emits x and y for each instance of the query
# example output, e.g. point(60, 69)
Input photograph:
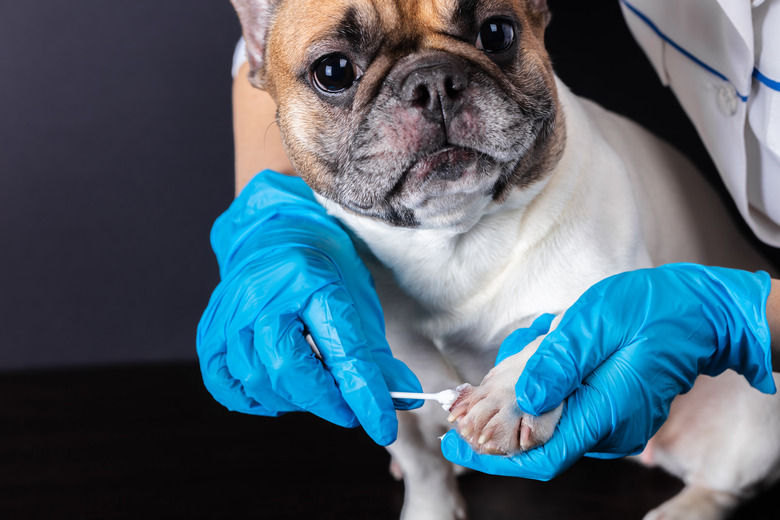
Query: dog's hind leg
point(721, 440)
point(696, 503)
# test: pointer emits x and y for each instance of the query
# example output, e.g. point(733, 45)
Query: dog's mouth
point(448, 164)
point(442, 186)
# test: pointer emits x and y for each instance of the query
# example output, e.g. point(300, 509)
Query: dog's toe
point(489, 419)
point(537, 430)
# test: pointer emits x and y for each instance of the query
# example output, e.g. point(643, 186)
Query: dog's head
point(415, 112)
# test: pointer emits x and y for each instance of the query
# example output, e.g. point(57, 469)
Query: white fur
point(619, 199)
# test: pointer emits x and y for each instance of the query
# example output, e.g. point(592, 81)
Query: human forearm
point(258, 144)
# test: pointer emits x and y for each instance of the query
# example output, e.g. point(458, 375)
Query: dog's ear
point(540, 7)
point(256, 17)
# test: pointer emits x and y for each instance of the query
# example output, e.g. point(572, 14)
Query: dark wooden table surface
point(149, 442)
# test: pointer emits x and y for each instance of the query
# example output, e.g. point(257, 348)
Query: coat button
point(728, 101)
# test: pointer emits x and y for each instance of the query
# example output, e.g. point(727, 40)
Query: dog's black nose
point(436, 88)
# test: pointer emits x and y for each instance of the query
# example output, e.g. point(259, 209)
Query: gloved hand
point(287, 268)
point(623, 352)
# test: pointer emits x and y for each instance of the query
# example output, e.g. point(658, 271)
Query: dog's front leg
point(488, 417)
point(431, 491)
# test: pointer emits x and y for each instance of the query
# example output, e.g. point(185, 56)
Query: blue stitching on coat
point(684, 52)
point(774, 85)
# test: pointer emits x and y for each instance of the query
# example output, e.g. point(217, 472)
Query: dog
point(482, 193)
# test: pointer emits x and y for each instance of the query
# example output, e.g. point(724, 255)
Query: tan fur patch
point(381, 33)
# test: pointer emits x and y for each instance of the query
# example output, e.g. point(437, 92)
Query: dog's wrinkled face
point(415, 112)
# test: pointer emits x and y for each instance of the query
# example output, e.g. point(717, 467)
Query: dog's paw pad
point(489, 419)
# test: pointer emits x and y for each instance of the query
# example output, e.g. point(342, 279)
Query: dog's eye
point(495, 35)
point(334, 73)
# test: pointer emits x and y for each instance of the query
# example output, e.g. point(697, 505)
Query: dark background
point(116, 157)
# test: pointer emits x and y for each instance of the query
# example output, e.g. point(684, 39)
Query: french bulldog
point(482, 193)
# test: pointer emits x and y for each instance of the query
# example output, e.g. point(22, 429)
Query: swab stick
point(446, 398)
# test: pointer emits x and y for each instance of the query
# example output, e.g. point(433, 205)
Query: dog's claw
point(526, 437)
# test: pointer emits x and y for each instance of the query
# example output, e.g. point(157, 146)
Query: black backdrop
point(116, 157)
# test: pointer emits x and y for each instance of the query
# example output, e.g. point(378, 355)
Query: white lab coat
point(721, 58)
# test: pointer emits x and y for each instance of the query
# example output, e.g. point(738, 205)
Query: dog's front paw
point(489, 419)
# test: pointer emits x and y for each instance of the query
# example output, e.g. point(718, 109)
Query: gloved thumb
point(516, 341)
point(568, 355)
point(549, 377)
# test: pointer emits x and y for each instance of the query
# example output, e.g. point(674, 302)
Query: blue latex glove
point(623, 352)
point(288, 268)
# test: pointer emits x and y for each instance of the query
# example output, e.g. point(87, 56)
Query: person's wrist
point(736, 302)
point(272, 210)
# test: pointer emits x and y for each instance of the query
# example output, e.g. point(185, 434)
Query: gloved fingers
point(615, 411)
point(282, 364)
point(336, 328)
point(542, 463)
point(267, 353)
point(518, 340)
point(547, 378)
point(229, 392)
point(212, 342)
point(458, 451)
point(613, 414)
point(573, 438)
point(399, 378)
